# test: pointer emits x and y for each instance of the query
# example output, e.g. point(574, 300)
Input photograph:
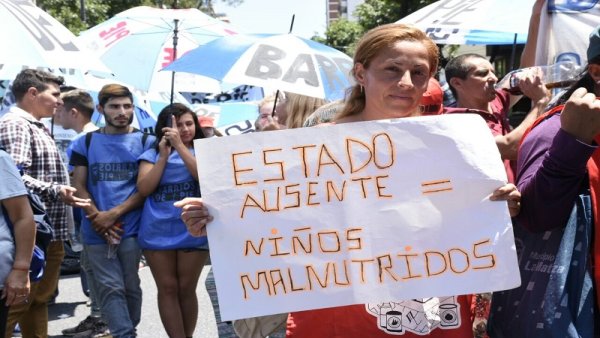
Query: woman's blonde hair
point(299, 107)
point(371, 45)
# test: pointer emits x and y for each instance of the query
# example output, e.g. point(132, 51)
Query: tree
point(69, 12)
point(342, 35)
point(370, 14)
point(373, 13)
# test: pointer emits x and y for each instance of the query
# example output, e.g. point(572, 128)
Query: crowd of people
point(133, 194)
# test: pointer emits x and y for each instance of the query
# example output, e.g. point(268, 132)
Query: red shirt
point(444, 317)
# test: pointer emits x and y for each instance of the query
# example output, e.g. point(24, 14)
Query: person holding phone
point(168, 173)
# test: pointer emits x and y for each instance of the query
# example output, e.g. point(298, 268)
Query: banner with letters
point(564, 31)
point(355, 213)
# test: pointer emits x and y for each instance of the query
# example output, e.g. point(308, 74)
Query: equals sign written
point(431, 187)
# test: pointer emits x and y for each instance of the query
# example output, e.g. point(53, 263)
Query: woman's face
point(395, 81)
point(186, 128)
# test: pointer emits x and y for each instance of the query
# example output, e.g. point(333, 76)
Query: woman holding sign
point(392, 67)
point(168, 173)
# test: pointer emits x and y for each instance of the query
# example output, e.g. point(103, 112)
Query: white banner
point(564, 31)
point(355, 213)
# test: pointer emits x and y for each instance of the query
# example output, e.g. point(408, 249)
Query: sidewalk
point(71, 308)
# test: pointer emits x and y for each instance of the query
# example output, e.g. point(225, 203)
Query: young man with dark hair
point(32, 148)
point(76, 111)
point(105, 170)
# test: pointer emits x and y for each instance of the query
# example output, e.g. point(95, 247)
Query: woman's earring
point(361, 89)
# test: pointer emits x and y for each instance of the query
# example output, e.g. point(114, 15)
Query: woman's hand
point(511, 194)
point(171, 134)
point(164, 147)
point(195, 215)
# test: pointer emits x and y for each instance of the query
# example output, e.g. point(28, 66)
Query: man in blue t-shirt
point(105, 170)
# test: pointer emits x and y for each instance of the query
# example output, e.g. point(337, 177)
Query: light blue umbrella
point(284, 62)
point(137, 43)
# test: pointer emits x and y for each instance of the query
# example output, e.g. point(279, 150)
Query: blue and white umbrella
point(284, 62)
point(137, 43)
point(32, 38)
point(483, 22)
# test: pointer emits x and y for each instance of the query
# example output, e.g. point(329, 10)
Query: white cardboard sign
point(355, 213)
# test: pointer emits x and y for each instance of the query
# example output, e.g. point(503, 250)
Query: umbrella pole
point(175, 38)
point(275, 103)
point(292, 24)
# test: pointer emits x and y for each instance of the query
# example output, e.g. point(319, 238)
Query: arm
point(172, 135)
point(149, 174)
point(528, 55)
point(80, 174)
point(21, 216)
point(16, 139)
point(190, 162)
point(533, 87)
point(552, 164)
point(103, 222)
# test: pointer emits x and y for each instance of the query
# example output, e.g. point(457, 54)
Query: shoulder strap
point(541, 118)
point(144, 136)
point(88, 140)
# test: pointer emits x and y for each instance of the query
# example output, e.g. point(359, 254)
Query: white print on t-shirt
point(419, 316)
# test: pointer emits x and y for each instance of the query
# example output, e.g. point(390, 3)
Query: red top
point(444, 317)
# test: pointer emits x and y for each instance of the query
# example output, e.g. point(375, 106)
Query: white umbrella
point(483, 22)
point(34, 39)
point(285, 62)
point(138, 42)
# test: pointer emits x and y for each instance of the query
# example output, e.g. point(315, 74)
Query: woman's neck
point(370, 115)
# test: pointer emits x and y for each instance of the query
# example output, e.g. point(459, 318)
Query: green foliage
point(370, 14)
point(373, 13)
point(342, 35)
point(68, 12)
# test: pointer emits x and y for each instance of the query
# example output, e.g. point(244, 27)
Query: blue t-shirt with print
point(161, 227)
point(111, 161)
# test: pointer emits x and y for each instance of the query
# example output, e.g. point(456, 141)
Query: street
point(71, 308)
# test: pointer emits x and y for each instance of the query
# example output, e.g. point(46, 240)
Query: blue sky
point(274, 16)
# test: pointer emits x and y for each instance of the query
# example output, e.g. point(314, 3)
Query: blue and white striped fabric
point(135, 44)
point(483, 22)
point(285, 62)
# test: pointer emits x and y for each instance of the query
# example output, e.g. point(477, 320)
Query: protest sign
point(355, 213)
